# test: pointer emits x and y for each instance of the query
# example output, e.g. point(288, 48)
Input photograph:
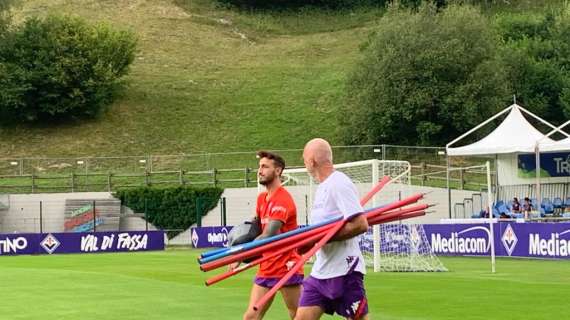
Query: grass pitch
point(169, 285)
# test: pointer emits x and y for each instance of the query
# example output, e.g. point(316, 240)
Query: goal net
point(402, 248)
point(378, 246)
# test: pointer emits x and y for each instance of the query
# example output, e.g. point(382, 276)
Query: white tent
point(560, 145)
point(514, 134)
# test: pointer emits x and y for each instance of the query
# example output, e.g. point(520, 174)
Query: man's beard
point(268, 180)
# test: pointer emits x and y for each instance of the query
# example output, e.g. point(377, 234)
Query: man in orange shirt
point(277, 213)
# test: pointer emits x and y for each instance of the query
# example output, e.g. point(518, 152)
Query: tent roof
point(553, 146)
point(514, 134)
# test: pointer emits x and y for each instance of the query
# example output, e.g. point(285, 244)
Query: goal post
point(365, 174)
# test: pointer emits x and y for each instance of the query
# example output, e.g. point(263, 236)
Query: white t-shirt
point(337, 197)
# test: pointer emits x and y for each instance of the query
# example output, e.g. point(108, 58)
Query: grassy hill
point(211, 79)
point(208, 79)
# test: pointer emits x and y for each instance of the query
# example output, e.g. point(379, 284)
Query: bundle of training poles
point(316, 235)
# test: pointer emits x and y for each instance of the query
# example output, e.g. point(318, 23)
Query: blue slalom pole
point(290, 233)
point(224, 252)
point(213, 252)
point(256, 243)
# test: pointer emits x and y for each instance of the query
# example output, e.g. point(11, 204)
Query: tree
point(426, 77)
point(536, 54)
point(61, 67)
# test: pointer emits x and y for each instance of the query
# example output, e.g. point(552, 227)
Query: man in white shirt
point(336, 283)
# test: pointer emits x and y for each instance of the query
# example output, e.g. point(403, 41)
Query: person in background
point(516, 206)
point(527, 207)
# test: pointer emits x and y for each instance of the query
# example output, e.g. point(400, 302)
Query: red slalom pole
point(402, 214)
point(379, 186)
point(222, 253)
point(397, 213)
point(256, 251)
point(304, 258)
point(405, 216)
point(318, 245)
point(249, 265)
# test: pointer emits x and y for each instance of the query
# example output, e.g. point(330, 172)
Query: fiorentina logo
point(50, 243)
point(195, 238)
point(415, 236)
point(509, 239)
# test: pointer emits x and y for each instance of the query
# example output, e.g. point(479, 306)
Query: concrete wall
point(240, 204)
point(23, 212)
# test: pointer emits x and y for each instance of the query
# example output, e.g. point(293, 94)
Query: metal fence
point(206, 161)
point(93, 212)
point(233, 169)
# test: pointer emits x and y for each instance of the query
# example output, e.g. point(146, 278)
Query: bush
point(170, 208)
point(330, 4)
point(426, 77)
point(61, 67)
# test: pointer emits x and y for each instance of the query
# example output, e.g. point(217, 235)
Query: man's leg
point(353, 305)
point(291, 295)
point(257, 292)
point(309, 313)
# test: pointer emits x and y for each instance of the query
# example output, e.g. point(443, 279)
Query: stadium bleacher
point(547, 208)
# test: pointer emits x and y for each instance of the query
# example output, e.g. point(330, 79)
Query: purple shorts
point(344, 295)
point(271, 282)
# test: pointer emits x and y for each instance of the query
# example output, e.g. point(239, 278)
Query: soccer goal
point(378, 245)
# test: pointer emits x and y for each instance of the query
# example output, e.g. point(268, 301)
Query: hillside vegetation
point(210, 78)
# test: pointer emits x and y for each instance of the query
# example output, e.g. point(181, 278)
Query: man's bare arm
point(271, 229)
point(352, 228)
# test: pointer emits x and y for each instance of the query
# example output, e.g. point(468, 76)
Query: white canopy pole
point(479, 126)
point(546, 122)
point(558, 129)
point(537, 160)
point(490, 204)
point(537, 168)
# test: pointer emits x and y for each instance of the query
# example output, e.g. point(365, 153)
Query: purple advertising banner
point(460, 239)
point(22, 243)
point(208, 237)
point(529, 240)
point(534, 240)
point(98, 242)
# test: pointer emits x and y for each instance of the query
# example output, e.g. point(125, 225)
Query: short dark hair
point(278, 161)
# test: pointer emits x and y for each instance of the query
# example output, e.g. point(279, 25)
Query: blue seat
point(557, 203)
point(510, 205)
point(502, 208)
point(567, 202)
point(547, 206)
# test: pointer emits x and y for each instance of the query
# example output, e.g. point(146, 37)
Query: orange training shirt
point(280, 206)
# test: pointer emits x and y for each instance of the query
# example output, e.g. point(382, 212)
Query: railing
point(245, 177)
point(36, 175)
point(422, 174)
point(436, 175)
